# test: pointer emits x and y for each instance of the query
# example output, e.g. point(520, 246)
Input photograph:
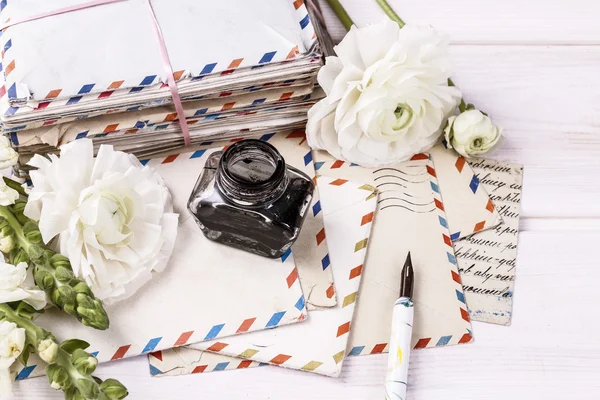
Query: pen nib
point(408, 278)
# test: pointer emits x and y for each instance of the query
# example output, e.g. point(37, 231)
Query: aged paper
point(318, 347)
point(487, 260)
point(410, 217)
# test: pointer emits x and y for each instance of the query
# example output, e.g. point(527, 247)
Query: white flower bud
point(7, 243)
point(48, 350)
point(471, 133)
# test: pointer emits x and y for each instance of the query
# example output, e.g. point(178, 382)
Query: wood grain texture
point(547, 100)
point(547, 96)
point(489, 21)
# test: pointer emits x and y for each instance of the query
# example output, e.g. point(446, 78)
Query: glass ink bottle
point(248, 198)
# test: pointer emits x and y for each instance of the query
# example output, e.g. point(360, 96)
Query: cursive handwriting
point(487, 259)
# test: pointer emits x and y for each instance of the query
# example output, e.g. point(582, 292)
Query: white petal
point(316, 114)
point(375, 40)
point(329, 72)
point(347, 50)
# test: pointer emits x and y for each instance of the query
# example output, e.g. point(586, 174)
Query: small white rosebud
point(48, 350)
point(472, 133)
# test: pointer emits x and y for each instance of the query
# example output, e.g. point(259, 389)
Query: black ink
point(247, 198)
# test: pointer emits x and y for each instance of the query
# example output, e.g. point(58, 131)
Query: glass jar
point(248, 198)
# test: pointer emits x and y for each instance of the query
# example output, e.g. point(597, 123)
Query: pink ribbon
point(161, 44)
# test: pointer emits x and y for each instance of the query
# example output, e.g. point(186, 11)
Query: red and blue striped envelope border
point(276, 93)
point(452, 269)
point(296, 312)
point(286, 354)
point(91, 91)
point(313, 259)
point(168, 363)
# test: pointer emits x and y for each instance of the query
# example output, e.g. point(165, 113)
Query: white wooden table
point(535, 67)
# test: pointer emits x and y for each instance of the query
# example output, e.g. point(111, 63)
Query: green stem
point(14, 223)
point(390, 12)
point(341, 13)
point(64, 360)
point(462, 107)
point(32, 329)
point(65, 291)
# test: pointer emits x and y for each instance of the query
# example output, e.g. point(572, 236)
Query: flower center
point(478, 142)
point(116, 207)
point(13, 350)
point(404, 116)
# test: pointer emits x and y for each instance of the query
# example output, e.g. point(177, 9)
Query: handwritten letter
point(487, 260)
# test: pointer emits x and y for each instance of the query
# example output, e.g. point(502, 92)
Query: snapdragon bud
point(43, 279)
point(63, 295)
point(113, 389)
point(48, 350)
point(73, 394)
point(88, 388)
point(67, 294)
point(85, 301)
point(32, 232)
point(58, 260)
point(35, 252)
point(63, 275)
point(58, 377)
point(83, 288)
point(20, 257)
point(84, 362)
point(94, 317)
point(70, 309)
point(77, 396)
point(18, 210)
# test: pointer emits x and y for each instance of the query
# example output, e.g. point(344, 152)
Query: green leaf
point(24, 357)
point(73, 344)
point(113, 389)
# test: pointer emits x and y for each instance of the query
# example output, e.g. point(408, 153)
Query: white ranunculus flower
point(16, 284)
point(113, 216)
point(12, 343)
point(8, 155)
point(387, 95)
point(471, 133)
point(8, 195)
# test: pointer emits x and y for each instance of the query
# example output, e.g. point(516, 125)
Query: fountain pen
point(399, 347)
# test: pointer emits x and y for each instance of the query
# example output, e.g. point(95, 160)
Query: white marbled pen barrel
point(399, 350)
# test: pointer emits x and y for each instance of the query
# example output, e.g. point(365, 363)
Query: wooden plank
point(547, 100)
point(489, 22)
point(550, 351)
